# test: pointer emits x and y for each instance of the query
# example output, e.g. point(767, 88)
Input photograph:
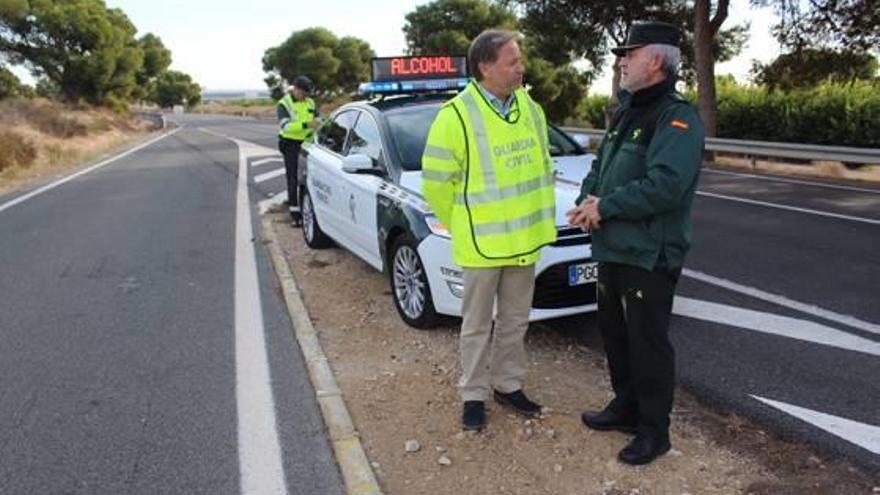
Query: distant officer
point(296, 111)
point(488, 177)
point(637, 200)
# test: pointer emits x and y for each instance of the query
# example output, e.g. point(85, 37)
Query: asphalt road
point(133, 356)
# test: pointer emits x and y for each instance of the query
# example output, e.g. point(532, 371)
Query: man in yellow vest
point(487, 175)
point(296, 111)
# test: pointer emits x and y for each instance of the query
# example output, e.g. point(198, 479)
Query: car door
point(326, 181)
point(363, 188)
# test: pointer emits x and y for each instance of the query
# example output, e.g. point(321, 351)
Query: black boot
point(609, 419)
point(644, 449)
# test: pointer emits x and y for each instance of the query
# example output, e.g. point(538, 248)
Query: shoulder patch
point(679, 124)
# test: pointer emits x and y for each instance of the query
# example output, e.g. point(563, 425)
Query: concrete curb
point(356, 471)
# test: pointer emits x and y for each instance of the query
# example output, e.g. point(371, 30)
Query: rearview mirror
point(357, 162)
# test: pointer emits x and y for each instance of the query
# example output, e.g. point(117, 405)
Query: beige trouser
point(494, 358)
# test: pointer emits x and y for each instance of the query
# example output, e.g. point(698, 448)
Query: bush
point(829, 114)
point(591, 111)
point(52, 119)
point(15, 149)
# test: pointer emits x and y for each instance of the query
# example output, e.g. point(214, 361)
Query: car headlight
point(437, 227)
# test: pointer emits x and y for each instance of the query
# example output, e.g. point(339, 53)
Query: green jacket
point(645, 175)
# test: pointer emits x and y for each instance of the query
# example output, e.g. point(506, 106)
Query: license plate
point(583, 273)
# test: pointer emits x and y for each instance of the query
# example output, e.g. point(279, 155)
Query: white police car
point(360, 188)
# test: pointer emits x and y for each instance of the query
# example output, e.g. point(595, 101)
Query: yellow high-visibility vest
point(302, 112)
point(489, 179)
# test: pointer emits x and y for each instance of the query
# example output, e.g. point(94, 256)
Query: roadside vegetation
point(88, 68)
point(40, 138)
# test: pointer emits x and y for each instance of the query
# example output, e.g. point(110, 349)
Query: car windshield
point(410, 126)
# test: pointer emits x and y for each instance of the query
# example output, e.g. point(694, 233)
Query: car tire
point(409, 285)
point(315, 237)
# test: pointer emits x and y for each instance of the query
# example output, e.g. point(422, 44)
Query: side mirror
point(357, 162)
point(582, 139)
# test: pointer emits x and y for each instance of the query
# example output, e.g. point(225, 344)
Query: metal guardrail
point(863, 156)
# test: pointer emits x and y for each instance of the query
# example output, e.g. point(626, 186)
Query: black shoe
point(644, 449)
point(608, 420)
point(296, 219)
point(519, 402)
point(473, 416)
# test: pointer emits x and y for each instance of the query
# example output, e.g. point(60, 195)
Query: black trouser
point(290, 151)
point(634, 311)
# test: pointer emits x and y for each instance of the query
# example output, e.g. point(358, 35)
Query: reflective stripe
point(440, 176)
point(438, 152)
point(514, 224)
point(481, 139)
point(536, 117)
point(484, 197)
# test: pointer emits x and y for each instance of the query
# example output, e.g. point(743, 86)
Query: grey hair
point(485, 47)
point(671, 57)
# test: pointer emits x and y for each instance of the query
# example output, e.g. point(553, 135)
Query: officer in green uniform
point(296, 111)
point(637, 202)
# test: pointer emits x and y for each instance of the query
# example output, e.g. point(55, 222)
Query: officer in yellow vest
point(487, 175)
point(296, 111)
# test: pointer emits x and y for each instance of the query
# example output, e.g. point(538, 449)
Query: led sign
point(418, 67)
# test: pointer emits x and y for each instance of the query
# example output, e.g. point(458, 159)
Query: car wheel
point(314, 236)
point(409, 285)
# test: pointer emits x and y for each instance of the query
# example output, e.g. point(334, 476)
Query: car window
point(332, 134)
point(365, 138)
point(563, 145)
point(409, 130)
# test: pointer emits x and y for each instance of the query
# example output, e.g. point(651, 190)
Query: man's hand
point(585, 215)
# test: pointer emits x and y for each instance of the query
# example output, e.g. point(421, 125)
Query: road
point(145, 349)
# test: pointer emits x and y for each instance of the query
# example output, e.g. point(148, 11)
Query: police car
point(360, 188)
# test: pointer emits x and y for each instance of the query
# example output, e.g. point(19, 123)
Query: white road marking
point(784, 301)
point(864, 435)
point(793, 181)
point(784, 326)
point(265, 161)
point(268, 204)
point(41, 190)
point(259, 452)
point(278, 172)
point(790, 208)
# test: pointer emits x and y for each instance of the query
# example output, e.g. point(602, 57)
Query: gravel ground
point(399, 384)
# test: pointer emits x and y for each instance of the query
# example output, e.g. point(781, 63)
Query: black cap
point(303, 83)
point(649, 33)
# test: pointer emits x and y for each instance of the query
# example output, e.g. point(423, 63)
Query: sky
point(221, 43)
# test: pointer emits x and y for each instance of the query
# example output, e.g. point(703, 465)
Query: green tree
point(589, 29)
point(332, 64)
point(447, 26)
point(809, 67)
point(176, 88)
point(10, 85)
point(157, 59)
point(850, 24)
point(86, 49)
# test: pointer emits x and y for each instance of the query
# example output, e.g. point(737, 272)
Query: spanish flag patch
point(680, 124)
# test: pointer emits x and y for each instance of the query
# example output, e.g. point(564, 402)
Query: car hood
point(568, 170)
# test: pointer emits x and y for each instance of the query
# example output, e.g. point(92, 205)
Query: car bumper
point(554, 298)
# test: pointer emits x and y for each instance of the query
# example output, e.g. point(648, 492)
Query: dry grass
point(40, 138)
point(15, 150)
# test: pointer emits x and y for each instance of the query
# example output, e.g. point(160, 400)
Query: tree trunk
point(705, 62)
point(613, 102)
